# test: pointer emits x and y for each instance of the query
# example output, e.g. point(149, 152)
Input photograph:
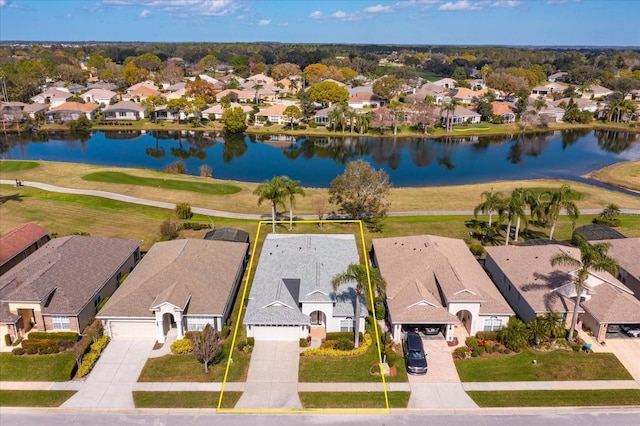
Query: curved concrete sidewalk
point(233, 215)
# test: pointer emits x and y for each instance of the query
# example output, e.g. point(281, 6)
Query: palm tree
point(272, 190)
point(558, 200)
point(554, 324)
point(363, 121)
point(291, 189)
point(516, 205)
point(257, 88)
point(363, 277)
point(592, 258)
point(449, 108)
point(490, 205)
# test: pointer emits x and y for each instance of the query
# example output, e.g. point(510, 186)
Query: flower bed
point(338, 353)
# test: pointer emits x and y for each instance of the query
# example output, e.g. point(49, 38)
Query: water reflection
point(317, 160)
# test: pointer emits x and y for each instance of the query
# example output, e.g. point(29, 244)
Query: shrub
point(475, 352)
point(94, 330)
point(387, 339)
point(344, 345)
point(177, 168)
point(329, 344)
point(41, 346)
point(337, 335)
point(183, 211)
point(487, 335)
point(7, 339)
point(507, 351)
point(380, 312)
point(251, 341)
point(302, 127)
point(313, 124)
point(304, 343)
point(392, 356)
point(364, 347)
point(100, 344)
point(477, 249)
point(205, 171)
point(181, 346)
point(170, 229)
point(489, 349)
point(461, 352)
point(226, 331)
point(472, 342)
point(17, 351)
point(61, 335)
point(88, 361)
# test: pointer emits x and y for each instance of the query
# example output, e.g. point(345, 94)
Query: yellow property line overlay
point(375, 327)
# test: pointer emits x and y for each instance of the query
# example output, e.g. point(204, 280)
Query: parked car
point(634, 332)
point(431, 330)
point(625, 328)
point(414, 357)
point(613, 328)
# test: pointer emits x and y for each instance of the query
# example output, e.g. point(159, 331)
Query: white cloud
point(339, 14)
point(264, 22)
point(316, 15)
point(3, 3)
point(145, 13)
point(344, 16)
point(505, 3)
point(460, 5)
point(377, 9)
point(283, 24)
point(68, 16)
point(191, 7)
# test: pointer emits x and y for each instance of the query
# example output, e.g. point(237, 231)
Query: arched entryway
point(465, 318)
point(318, 321)
point(168, 322)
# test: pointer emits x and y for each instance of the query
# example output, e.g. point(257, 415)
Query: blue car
point(414, 357)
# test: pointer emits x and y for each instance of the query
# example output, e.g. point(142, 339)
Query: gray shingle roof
point(302, 264)
point(71, 269)
point(198, 272)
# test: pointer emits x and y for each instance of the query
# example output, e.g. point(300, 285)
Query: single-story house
point(626, 251)
point(19, 243)
point(243, 96)
point(66, 86)
point(558, 76)
point(548, 89)
point(167, 114)
point(361, 100)
point(261, 79)
point(147, 84)
point(70, 111)
point(215, 112)
point(185, 284)
point(52, 97)
point(596, 92)
point(99, 96)
point(124, 111)
point(582, 104)
point(466, 96)
point(12, 112)
point(102, 85)
point(139, 94)
point(32, 109)
point(504, 110)
point(446, 83)
point(60, 285)
point(533, 287)
point(436, 281)
point(274, 114)
point(460, 116)
point(292, 297)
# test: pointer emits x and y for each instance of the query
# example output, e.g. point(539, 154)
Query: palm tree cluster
point(620, 110)
point(544, 207)
point(278, 190)
point(517, 334)
point(343, 116)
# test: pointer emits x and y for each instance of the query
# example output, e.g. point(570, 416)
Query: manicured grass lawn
point(556, 398)
point(550, 366)
point(353, 399)
point(42, 368)
point(33, 398)
point(15, 166)
point(625, 174)
point(173, 184)
point(196, 399)
point(348, 369)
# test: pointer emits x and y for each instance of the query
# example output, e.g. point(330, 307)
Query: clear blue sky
point(502, 22)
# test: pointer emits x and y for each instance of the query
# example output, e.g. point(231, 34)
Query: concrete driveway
point(110, 383)
point(272, 382)
point(627, 350)
point(440, 387)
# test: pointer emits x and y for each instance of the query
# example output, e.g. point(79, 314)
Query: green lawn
point(348, 369)
point(33, 398)
point(16, 166)
point(174, 399)
point(556, 398)
point(353, 399)
point(549, 366)
point(173, 184)
point(43, 368)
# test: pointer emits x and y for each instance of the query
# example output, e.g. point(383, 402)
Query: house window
point(97, 300)
point(136, 255)
point(198, 323)
point(346, 324)
point(60, 323)
point(122, 113)
point(118, 276)
point(492, 324)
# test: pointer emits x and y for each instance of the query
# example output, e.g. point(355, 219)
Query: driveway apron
point(272, 382)
point(110, 383)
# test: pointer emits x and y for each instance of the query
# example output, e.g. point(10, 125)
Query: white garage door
point(132, 329)
point(276, 333)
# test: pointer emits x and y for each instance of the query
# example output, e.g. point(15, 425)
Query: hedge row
point(364, 347)
point(89, 360)
point(45, 346)
point(60, 335)
point(337, 335)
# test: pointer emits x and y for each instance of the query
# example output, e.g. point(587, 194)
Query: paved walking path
point(232, 215)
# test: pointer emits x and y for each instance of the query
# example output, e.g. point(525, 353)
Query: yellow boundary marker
point(375, 327)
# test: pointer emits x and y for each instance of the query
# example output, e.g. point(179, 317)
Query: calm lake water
point(317, 160)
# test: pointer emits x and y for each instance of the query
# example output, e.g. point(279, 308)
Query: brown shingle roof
point(17, 240)
point(199, 272)
point(71, 269)
point(625, 251)
point(425, 272)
